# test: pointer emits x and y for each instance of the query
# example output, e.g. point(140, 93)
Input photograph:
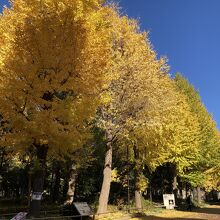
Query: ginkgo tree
point(65, 63)
point(53, 62)
point(165, 131)
point(200, 174)
point(182, 148)
point(141, 85)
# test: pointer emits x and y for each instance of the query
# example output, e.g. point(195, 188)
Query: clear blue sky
point(188, 33)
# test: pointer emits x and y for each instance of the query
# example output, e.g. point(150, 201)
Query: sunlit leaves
point(208, 139)
point(54, 60)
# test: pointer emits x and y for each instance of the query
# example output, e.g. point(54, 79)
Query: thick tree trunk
point(137, 175)
point(107, 172)
point(37, 191)
point(56, 186)
point(199, 196)
point(38, 182)
point(138, 203)
point(71, 186)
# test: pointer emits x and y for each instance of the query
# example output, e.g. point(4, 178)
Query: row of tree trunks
point(196, 192)
point(105, 190)
point(38, 182)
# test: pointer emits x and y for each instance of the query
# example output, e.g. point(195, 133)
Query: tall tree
point(209, 142)
point(141, 83)
point(53, 60)
point(164, 133)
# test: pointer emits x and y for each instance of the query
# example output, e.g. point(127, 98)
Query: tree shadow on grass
point(150, 217)
point(207, 210)
point(214, 209)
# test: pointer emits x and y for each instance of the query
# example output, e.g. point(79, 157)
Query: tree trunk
point(128, 181)
point(37, 191)
point(174, 183)
point(56, 186)
point(199, 196)
point(38, 182)
point(137, 175)
point(149, 192)
point(138, 203)
point(194, 194)
point(107, 172)
point(186, 190)
point(2, 151)
point(71, 186)
point(29, 188)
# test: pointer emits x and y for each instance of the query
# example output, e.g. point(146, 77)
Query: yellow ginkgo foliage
point(139, 97)
point(203, 173)
point(53, 62)
point(54, 57)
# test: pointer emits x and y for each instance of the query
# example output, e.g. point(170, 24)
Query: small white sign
point(20, 216)
point(36, 195)
point(83, 208)
point(169, 201)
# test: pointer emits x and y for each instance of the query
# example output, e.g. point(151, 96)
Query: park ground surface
point(152, 211)
point(211, 212)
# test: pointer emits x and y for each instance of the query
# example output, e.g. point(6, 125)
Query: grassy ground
point(211, 212)
point(151, 212)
